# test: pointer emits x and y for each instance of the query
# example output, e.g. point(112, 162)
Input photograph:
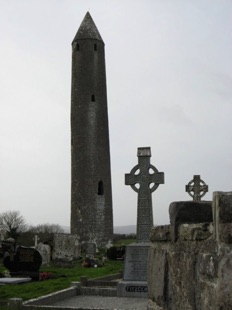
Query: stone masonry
point(91, 193)
point(190, 260)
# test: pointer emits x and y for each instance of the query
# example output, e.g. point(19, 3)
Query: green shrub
point(112, 253)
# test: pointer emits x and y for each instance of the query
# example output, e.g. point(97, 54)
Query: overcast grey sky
point(169, 76)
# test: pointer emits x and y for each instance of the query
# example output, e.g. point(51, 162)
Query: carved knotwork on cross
point(148, 179)
point(196, 188)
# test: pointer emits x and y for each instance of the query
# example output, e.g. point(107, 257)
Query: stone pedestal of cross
point(196, 188)
point(148, 183)
point(147, 177)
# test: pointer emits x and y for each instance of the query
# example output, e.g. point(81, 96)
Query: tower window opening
point(77, 47)
point(100, 188)
point(95, 47)
point(72, 142)
point(93, 98)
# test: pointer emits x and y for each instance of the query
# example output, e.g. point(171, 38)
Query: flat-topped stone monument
point(148, 178)
point(66, 249)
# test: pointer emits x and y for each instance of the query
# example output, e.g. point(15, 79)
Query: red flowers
point(45, 276)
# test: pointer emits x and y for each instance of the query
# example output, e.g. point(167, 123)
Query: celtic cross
point(147, 183)
point(196, 188)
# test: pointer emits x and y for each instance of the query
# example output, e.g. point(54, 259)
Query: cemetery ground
point(61, 278)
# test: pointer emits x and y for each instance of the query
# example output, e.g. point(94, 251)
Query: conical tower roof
point(87, 30)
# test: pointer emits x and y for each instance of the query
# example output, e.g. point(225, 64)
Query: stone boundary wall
point(190, 260)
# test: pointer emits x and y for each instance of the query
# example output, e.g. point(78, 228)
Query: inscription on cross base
point(147, 183)
point(196, 188)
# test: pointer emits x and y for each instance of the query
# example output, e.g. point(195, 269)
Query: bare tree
point(47, 229)
point(45, 232)
point(13, 223)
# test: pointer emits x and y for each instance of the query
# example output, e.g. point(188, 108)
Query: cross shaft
point(144, 179)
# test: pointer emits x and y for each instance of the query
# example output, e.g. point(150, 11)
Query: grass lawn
point(62, 278)
point(122, 242)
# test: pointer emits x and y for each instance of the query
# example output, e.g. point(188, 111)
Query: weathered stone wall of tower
point(190, 260)
point(91, 196)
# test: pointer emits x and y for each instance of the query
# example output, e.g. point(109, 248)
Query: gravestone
point(90, 249)
point(196, 188)
point(22, 260)
point(66, 249)
point(109, 244)
point(134, 282)
point(145, 179)
point(45, 251)
point(36, 239)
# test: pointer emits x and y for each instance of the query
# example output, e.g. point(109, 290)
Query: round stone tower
point(91, 194)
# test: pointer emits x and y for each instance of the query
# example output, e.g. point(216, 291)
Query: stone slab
point(225, 207)
point(14, 280)
point(101, 302)
point(189, 212)
point(225, 232)
point(225, 282)
point(222, 216)
point(132, 289)
point(181, 274)
point(157, 276)
point(135, 268)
